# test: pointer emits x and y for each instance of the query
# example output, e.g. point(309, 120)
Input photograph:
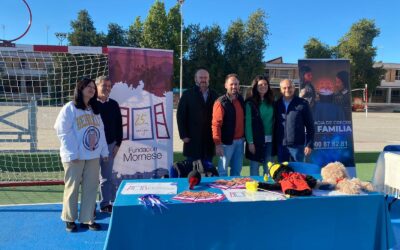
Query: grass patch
point(366, 157)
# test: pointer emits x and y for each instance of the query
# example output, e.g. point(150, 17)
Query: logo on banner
point(142, 124)
point(139, 123)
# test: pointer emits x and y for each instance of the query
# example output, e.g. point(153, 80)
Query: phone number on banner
point(330, 144)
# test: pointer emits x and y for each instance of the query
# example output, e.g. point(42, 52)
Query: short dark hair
point(304, 69)
point(231, 75)
point(344, 77)
point(78, 96)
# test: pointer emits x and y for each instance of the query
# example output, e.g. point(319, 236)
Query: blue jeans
point(107, 186)
point(233, 157)
point(292, 153)
point(255, 166)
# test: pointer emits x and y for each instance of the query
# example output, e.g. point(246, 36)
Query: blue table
point(345, 222)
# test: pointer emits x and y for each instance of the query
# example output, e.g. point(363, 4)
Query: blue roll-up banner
point(325, 84)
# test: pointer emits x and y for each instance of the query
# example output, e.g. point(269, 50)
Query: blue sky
point(291, 22)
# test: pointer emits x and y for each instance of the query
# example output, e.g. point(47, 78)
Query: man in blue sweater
point(112, 119)
point(294, 125)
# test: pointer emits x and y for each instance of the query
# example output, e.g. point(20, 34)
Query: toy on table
point(287, 180)
point(252, 186)
point(194, 178)
point(335, 177)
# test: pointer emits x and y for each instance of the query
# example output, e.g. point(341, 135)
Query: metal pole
point(181, 58)
point(32, 126)
point(366, 100)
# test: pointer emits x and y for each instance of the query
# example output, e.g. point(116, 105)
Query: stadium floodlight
point(61, 36)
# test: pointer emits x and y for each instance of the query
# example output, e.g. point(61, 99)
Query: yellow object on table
point(252, 186)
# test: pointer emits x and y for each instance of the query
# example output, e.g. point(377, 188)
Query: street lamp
point(181, 58)
point(61, 36)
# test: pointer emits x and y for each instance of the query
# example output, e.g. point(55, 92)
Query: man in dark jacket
point(112, 119)
point(194, 119)
point(294, 125)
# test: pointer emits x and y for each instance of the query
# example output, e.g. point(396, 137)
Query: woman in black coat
point(259, 120)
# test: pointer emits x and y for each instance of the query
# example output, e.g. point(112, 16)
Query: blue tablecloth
point(339, 222)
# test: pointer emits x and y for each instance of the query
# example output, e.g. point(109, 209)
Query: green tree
point(174, 38)
point(234, 42)
point(205, 52)
point(244, 46)
point(314, 48)
point(155, 27)
point(101, 39)
point(135, 33)
point(83, 31)
point(357, 45)
point(116, 35)
point(256, 36)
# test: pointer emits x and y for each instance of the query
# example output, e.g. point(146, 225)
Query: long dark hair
point(78, 96)
point(255, 95)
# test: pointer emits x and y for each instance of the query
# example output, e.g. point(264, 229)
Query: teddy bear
point(335, 175)
point(286, 179)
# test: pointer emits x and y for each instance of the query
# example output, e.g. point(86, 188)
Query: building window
point(378, 92)
point(397, 77)
point(395, 93)
point(283, 73)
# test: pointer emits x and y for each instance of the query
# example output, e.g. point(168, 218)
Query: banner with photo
point(142, 85)
point(325, 84)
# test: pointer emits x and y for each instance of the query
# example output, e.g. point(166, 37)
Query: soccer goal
point(35, 82)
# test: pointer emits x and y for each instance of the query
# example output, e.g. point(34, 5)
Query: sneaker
point(106, 209)
point(70, 226)
point(94, 226)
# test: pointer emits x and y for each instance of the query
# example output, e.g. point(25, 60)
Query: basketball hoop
point(8, 43)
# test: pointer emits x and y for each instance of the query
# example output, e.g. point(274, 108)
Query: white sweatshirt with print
point(81, 134)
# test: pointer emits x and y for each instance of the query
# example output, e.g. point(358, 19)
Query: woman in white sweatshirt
point(81, 132)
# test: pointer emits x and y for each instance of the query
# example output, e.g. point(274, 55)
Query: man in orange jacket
point(228, 128)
